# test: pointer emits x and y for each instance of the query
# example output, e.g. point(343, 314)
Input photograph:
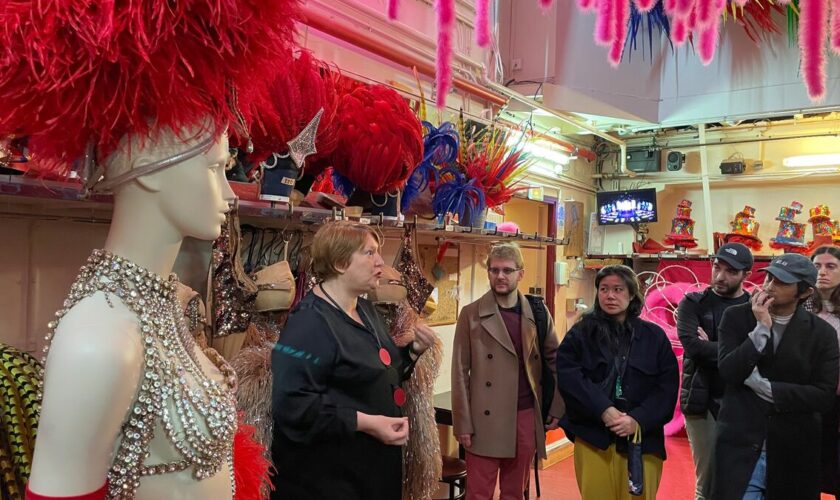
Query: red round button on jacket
point(399, 396)
point(385, 356)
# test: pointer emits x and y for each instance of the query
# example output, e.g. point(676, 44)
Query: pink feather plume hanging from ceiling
point(443, 71)
point(482, 23)
point(813, 31)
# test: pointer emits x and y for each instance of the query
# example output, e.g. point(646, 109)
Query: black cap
point(793, 268)
point(736, 255)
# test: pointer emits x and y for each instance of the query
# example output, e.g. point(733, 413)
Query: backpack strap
point(548, 382)
point(540, 318)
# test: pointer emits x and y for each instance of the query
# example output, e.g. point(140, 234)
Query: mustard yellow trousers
point(602, 474)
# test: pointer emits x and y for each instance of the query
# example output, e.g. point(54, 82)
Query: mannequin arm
point(92, 372)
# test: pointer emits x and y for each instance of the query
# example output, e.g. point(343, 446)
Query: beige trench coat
point(485, 382)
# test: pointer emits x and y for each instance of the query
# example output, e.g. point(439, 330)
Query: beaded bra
point(197, 414)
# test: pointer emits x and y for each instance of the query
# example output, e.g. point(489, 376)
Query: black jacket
point(649, 385)
point(701, 383)
point(325, 368)
point(803, 374)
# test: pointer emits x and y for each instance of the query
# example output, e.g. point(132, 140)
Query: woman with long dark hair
point(617, 374)
point(826, 304)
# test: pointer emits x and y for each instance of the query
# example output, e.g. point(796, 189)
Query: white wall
point(767, 190)
point(414, 31)
point(744, 79)
point(558, 46)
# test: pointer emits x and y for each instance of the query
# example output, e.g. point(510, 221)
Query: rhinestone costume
point(196, 413)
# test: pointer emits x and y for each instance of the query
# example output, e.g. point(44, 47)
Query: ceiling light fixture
point(540, 152)
point(820, 160)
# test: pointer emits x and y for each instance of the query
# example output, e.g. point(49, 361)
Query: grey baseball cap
point(793, 268)
point(736, 255)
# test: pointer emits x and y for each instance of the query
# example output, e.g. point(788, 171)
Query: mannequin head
point(189, 198)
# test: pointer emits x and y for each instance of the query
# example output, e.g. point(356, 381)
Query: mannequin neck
point(141, 234)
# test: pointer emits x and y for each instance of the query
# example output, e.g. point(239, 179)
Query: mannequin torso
point(127, 396)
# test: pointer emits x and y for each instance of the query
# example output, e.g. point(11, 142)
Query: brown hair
point(334, 245)
point(814, 302)
point(506, 251)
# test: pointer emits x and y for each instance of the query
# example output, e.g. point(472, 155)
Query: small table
point(443, 414)
point(443, 408)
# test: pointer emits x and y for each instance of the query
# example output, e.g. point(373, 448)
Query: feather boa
point(253, 396)
point(813, 31)
point(708, 42)
point(679, 34)
point(605, 22)
point(621, 15)
point(421, 455)
point(116, 68)
point(644, 6)
point(250, 467)
point(446, 28)
point(482, 23)
point(684, 8)
point(835, 26)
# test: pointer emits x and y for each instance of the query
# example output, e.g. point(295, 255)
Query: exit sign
point(536, 193)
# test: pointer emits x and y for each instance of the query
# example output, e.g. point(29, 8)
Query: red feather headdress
point(299, 91)
point(380, 140)
point(74, 72)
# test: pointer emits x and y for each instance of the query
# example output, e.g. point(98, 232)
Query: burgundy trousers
point(482, 472)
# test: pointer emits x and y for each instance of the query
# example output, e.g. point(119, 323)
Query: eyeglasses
point(507, 271)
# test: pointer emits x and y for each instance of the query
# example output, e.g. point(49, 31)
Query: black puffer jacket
point(701, 383)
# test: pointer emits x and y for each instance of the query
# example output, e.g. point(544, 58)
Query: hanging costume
point(20, 378)
point(125, 70)
point(174, 390)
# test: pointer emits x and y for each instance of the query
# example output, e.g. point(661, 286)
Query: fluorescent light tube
point(822, 160)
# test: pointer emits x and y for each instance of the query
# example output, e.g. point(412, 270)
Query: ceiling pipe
point(562, 117)
point(490, 92)
point(324, 24)
point(568, 146)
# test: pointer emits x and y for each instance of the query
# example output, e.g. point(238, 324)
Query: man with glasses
point(497, 375)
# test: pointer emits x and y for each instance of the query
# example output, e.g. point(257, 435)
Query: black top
point(586, 379)
point(326, 367)
point(803, 376)
point(704, 309)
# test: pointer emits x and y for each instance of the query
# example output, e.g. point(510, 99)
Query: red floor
point(558, 482)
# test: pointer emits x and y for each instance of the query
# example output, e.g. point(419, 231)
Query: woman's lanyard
point(621, 367)
point(384, 356)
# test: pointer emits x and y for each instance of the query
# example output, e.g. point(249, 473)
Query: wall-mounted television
point(626, 207)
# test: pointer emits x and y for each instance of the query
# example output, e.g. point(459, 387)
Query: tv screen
point(626, 207)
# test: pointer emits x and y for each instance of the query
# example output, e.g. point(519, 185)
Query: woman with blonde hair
point(337, 376)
